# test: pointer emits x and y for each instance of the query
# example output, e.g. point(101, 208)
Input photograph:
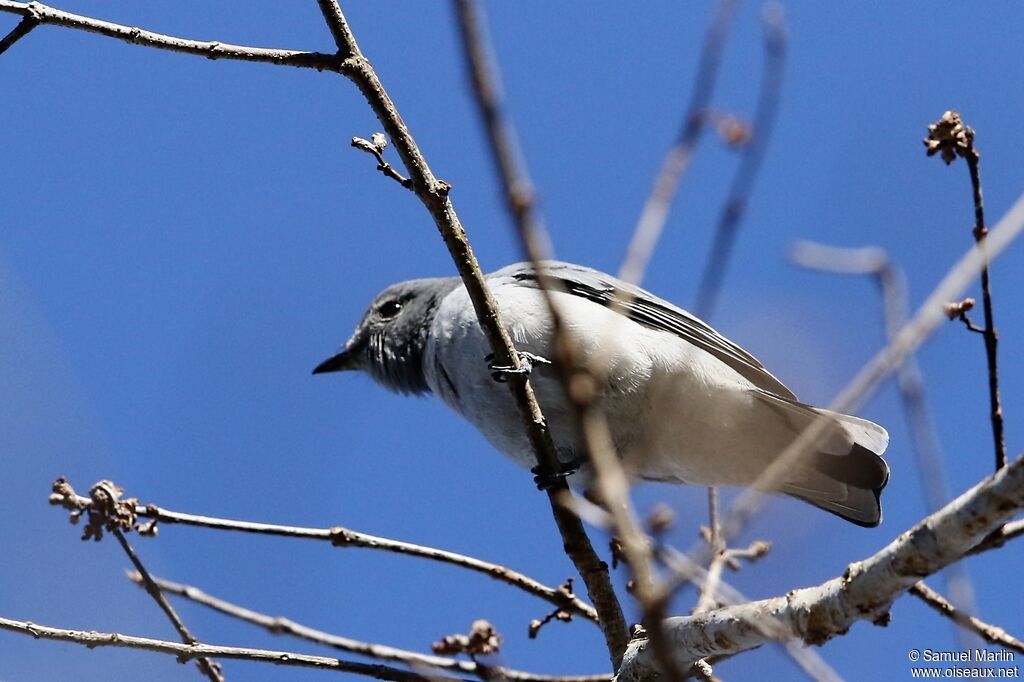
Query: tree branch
point(64, 495)
point(208, 668)
point(990, 633)
point(903, 344)
point(655, 211)
point(185, 652)
point(23, 28)
point(210, 49)
point(950, 137)
point(865, 591)
point(279, 625)
point(519, 200)
point(774, 25)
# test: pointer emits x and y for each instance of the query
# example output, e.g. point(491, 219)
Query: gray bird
point(683, 403)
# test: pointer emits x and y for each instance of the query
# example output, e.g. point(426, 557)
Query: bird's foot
point(546, 481)
point(500, 373)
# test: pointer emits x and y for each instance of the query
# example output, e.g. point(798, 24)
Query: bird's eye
point(389, 309)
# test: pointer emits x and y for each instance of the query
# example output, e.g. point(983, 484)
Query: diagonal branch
point(434, 194)
point(519, 201)
point(208, 668)
point(768, 96)
point(23, 28)
point(666, 184)
point(902, 345)
point(211, 49)
point(278, 625)
point(990, 633)
point(64, 495)
point(865, 591)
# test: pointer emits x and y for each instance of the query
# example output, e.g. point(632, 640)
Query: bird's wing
point(651, 311)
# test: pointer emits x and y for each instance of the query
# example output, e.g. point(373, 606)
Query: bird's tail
point(846, 473)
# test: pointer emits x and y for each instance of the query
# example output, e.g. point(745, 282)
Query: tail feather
point(846, 476)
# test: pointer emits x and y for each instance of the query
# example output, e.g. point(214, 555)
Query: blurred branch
point(773, 19)
point(902, 345)
point(666, 184)
point(990, 633)
point(950, 138)
point(279, 625)
point(184, 652)
point(931, 462)
point(865, 591)
point(211, 49)
point(23, 28)
point(64, 495)
point(519, 201)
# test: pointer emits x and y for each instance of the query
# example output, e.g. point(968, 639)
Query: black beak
point(341, 361)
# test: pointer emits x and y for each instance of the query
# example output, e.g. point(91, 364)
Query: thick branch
point(865, 591)
point(210, 49)
point(278, 625)
point(338, 536)
point(185, 652)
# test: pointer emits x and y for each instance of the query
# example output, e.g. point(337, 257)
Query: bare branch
point(952, 138)
point(23, 28)
point(773, 20)
point(65, 496)
point(888, 359)
point(210, 669)
point(376, 149)
point(990, 633)
point(865, 591)
point(519, 199)
point(211, 49)
point(677, 160)
point(93, 639)
point(278, 625)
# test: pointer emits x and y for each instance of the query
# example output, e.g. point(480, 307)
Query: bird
point(683, 404)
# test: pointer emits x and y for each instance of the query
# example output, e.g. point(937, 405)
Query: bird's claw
point(546, 481)
point(500, 373)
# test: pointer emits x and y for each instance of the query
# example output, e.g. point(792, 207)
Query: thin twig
point(376, 149)
point(999, 538)
point(519, 200)
point(23, 28)
point(210, 669)
point(65, 496)
point(279, 625)
point(92, 639)
point(990, 633)
point(950, 137)
point(211, 49)
point(655, 211)
point(774, 25)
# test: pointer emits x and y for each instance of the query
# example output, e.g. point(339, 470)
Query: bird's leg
point(546, 481)
point(500, 373)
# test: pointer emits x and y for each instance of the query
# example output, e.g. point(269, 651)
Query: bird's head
point(389, 342)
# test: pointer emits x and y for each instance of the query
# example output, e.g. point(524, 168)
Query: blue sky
point(183, 240)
